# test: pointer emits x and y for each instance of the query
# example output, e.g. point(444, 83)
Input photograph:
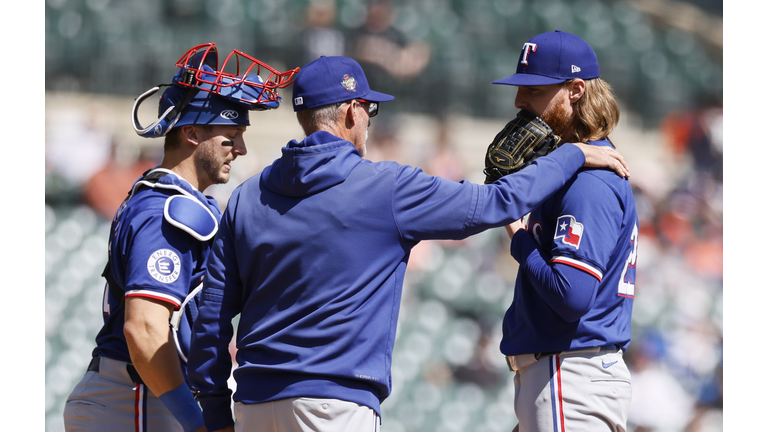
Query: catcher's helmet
point(201, 93)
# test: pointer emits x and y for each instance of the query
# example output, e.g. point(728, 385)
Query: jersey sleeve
point(568, 291)
point(428, 207)
point(566, 272)
point(588, 223)
point(160, 259)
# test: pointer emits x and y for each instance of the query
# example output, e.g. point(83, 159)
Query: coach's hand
point(603, 157)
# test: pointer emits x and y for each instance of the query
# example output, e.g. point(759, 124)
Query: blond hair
point(597, 112)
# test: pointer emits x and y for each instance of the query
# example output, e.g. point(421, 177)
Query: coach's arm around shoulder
point(153, 354)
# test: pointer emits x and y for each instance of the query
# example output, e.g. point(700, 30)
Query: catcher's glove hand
point(523, 139)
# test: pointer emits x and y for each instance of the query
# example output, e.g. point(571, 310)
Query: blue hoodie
point(312, 253)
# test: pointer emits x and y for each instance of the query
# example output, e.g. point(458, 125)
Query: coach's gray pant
point(305, 415)
point(109, 400)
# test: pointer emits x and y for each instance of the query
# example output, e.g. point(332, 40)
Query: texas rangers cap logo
point(349, 83)
point(528, 48)
point(164, 266)
point(569, 230)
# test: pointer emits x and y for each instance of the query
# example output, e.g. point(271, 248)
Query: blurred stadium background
point(664, 59)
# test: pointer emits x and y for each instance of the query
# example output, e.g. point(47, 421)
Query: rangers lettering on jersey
point(536, 231)
point(527, 48)
point(569, 230)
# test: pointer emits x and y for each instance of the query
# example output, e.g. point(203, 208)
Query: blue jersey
point(312, 254)
point(159, 241)
point(575, 283)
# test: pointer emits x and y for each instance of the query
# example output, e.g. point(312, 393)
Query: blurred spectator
point(384, 144)
point(384, 52)
point(320, 37)
point(482, 369)
point(108, 187)
point(690, 224)
point(77, 145)
point(659, 401)
point(698, 134)
point(441, 158)
point(708, 416)
point(705, 255)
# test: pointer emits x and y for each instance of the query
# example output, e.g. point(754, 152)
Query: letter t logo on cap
point(527, 48)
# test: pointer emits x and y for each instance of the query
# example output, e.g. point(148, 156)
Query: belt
point(606, 348)
point(514, 361)
point(94, 367)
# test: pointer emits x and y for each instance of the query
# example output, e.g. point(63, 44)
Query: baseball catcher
point(158, 245)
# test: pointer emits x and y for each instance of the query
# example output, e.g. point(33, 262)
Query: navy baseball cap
point(328, 80)
point(553, 58)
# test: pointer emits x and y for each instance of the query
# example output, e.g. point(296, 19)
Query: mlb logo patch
point(349, 83)
point(569, 230)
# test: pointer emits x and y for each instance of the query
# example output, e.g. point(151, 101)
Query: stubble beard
point(210, 164)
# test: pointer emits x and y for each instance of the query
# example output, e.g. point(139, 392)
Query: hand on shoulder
point(603, 157)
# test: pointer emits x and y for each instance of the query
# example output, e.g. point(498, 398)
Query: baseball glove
point(523, 139)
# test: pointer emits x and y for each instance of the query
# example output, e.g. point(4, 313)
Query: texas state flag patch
point(569, 230)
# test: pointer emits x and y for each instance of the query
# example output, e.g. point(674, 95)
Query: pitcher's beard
point(558, 120)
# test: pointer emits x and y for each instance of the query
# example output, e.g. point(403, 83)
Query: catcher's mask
point(203, 93)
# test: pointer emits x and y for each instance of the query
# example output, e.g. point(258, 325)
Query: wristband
point(184, 407)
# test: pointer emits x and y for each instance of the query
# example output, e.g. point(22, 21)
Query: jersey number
point(627, 281)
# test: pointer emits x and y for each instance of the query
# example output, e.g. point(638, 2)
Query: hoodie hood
point(320, 161)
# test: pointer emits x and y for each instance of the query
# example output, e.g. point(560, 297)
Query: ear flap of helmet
point(178, 98)
point(159, 127)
